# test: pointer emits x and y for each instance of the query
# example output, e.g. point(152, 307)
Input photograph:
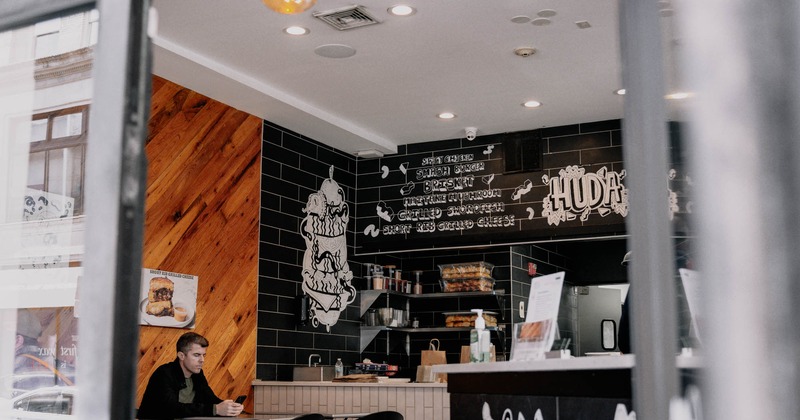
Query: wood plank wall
point(202, 218)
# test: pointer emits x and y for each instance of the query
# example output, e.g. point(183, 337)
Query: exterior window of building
point(44, 161)
point(94, 26)
point(47, 37)
point(57, 154)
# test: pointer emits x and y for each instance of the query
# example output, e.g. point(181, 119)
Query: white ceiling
point(451, 55)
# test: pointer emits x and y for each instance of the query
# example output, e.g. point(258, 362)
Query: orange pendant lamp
point(289, 7)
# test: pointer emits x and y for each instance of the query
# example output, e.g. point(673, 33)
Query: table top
point(625, 361)
point(291, 416)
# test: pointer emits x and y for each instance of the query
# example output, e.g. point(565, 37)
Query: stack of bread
point(467, 319)
point(159, 297)
point(466, 277)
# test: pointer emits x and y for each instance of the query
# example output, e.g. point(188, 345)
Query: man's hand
point(228, 408)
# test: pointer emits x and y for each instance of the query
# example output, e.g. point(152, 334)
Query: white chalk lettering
point(478, 208)
point(433, 172)
point(425, 200)
point(463, 168)
point(496, 221)
point(455, 225)
point(448, 184)
point(396, 229)
point(431, 213)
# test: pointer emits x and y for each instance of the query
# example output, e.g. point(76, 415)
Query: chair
point(314, 416)
point(383, 415)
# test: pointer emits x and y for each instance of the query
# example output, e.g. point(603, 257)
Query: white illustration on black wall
point(327, 278)
point(574, 192)
point(454, 194)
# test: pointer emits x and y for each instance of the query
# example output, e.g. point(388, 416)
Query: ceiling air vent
point(347, 17)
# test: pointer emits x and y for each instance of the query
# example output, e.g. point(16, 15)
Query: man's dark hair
point(185, 342)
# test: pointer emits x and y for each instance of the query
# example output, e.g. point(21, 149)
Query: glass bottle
point(338, 368)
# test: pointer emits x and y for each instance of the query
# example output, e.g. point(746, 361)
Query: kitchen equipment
point(385, 316)
point(397, 317)
point(371, 318)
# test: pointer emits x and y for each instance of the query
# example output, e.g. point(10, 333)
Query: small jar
point(415, 323)
point(417, 288)
point(378, 283)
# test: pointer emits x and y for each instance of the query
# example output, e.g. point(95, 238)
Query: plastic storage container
point(466, 277)
point(467, 319)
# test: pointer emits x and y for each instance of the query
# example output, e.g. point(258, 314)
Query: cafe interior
point(329, 192)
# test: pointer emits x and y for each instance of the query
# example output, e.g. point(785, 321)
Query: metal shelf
point(368, 297)
point(369, 333)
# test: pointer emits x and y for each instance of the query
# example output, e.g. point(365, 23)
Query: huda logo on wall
point(574, 192)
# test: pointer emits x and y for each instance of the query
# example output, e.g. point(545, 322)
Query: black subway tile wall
point(295, 167)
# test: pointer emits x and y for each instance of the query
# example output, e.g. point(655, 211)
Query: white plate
point(166, 321)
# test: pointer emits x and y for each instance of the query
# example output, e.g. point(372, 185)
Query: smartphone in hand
point(240, 399)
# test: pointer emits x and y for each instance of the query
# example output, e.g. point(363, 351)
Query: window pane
point(46, 45)
point(55, 172)
point(65, 173)
point(41, 234)
point(39, 130)
point(36, 170)
point(67, 125)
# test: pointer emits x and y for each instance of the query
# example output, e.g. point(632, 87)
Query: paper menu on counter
point(545, 297)
point(532, 338)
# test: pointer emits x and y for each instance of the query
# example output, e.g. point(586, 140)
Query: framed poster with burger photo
point(167, 299)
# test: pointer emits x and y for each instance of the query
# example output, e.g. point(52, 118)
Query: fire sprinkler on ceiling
point(524, 51)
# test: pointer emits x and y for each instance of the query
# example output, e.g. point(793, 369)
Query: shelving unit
point(369, 297)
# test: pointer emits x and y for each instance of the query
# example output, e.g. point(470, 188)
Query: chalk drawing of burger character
point(326, 273)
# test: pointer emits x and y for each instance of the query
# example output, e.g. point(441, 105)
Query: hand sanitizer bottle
point(477, 337)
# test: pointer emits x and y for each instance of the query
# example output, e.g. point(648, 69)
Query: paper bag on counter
point(433, 356)
point(430, 357)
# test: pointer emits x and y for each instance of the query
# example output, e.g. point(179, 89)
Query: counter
point(415, 401)
point(559, 389)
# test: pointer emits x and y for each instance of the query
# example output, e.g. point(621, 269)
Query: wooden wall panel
point(202, 218)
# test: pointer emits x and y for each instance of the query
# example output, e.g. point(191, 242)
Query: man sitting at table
point(179, 388)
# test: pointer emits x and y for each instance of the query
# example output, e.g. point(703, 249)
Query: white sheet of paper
point(545, 297)
point(691, 286)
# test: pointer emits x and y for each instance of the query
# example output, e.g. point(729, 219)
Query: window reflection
point(45, 97)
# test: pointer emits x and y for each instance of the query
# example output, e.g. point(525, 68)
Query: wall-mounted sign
point(168, 299)
point(47, 233)
point(465, 197)
point(327, 278)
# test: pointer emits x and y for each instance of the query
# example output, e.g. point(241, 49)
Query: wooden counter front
point(415, 401)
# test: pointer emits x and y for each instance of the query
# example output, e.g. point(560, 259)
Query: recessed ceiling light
point(447, 115)
point(520, 19)
point(679, 95)
point(295, 30)
point(546, 13)
point(402, 10)
point(619, 92)
point(532, 104)
point(541, 21)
